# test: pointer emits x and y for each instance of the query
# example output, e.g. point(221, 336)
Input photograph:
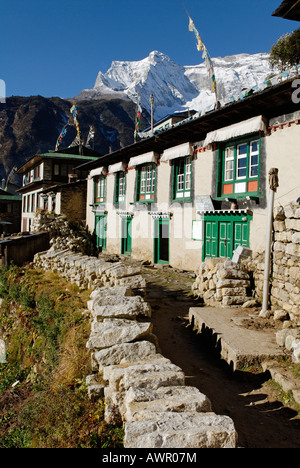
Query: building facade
point(201, 188)
point(43, 173)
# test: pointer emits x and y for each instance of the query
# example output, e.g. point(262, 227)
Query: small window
point(239, 164)
point(100, 189)
point(182, 178)
point(120, 187)
point(146, 183)
point(36, 173)
point(56, 169)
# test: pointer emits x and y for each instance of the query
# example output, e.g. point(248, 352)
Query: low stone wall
point(143, 390)
point(219, 281)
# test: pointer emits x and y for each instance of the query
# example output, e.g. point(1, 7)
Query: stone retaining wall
point(219, 281)
point(285, 267)
point(143, 390)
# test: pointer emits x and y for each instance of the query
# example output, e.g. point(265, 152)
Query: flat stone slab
point(138, 400)
point(124, 353)
point(116, 331)
point(124, 307)
point(181, 430)
point(239, 346)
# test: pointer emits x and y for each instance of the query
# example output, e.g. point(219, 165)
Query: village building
point(10, 209)
point(198, 189)
point(51, 182)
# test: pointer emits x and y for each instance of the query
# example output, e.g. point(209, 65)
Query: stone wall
point(285, 266)
point(143, 390)
point(220, 282)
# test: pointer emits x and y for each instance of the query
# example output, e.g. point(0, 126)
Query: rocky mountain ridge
point(176, 87)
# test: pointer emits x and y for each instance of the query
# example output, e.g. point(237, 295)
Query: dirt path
point(260, 419)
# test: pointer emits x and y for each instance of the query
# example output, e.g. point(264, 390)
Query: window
point(120, 187)
point(36, 173)
point(182, 178)
point(239, 169)
point(146, 183)
point(33, 202)
point(100, 189)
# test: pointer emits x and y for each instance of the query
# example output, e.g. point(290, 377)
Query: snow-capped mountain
point(176, 87)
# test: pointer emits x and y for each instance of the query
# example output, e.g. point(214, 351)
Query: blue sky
point(57, 47)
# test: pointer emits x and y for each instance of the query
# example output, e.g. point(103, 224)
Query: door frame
point(158, 222)
point(99, 218)
point(230, 221)
point(126, 236)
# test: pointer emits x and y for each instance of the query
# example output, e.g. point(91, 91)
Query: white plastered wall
point(282, 152)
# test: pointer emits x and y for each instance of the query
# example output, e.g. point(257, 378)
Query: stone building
point(45, 183)
point(200, 188)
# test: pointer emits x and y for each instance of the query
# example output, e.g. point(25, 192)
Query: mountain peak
point(176, 87)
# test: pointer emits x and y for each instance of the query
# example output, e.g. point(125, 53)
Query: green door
point(225, 239)
point(101, 231)
point(224, 233)
point(211, 239)
point(126, 236)
point(161, 241)
point(241, 234)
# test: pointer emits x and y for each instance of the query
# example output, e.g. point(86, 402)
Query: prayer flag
point(205, 55)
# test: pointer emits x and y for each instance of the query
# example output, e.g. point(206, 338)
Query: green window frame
point(146, 183)
point(99, 189)
point(182, 179)
point(239, 167)
point(120, 187)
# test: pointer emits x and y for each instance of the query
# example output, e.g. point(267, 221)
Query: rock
point(181, 430)
point(124, 353)
point(116, 331)
point(250, 303)
point(176, 399)
point(116, 292)
point(296, 352)
point(126, 307)
point(280, 315)
point(95, 391)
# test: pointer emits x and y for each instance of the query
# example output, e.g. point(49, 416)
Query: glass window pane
point(242, 149)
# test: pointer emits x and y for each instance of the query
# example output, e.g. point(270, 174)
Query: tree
point(286, 52)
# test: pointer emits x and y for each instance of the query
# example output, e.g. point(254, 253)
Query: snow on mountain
point(176, 87)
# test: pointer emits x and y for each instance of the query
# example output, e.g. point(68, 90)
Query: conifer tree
point(286, 52)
